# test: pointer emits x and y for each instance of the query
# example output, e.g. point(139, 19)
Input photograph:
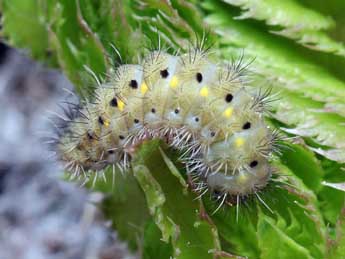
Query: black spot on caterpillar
point(133, 84)
point(199, 77)
point(246, 125)
point(228, 98)
point(164, 73)
point(211, 116)
point(113, 102)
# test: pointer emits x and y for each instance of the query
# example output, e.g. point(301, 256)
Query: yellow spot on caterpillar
point(174, 82)
point(228, 112)
point(239, 142)
point(242, 178)
point(204, 91)
point(144, 88)
point(106, 123)
point(120, 105)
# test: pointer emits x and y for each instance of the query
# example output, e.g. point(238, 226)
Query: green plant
point(298, 50)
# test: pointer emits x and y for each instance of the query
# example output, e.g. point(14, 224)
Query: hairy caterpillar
point(203, 108)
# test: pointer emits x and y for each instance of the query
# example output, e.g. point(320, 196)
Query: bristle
point(199, 106)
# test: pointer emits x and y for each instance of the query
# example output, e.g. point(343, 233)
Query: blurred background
point(40, 215)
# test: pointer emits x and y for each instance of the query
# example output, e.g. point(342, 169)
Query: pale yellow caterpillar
point(201, 107)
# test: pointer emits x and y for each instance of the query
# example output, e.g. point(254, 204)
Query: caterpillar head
point(245, 180)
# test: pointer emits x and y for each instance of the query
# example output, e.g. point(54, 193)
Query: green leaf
point(337, 186)
point(153, 246)
point(325, 128)
point(238, 235)
point(304, 164)
point(337, 249)
point(313, 172)
point(289, 13)
point(76, 44)
point(111, 21)
point(123, 200)
point(337, 155)
point(79, 34)
point(331, 200)
point(179, 216)
point(274, 243)
point(25, 25)
point(296, 213)
point(177, 22)
point(274, 58)
point(300, 23)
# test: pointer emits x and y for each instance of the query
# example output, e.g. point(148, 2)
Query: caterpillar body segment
point(201, 107)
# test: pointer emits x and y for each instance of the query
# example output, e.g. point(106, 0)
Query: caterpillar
point(205, 109)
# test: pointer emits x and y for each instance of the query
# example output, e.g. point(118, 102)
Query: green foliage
point(294, 21)
point(296, 53)
point(179, 216)
point(153, 246)
point(338, 246)
point(123, 200)
point(31, 14)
